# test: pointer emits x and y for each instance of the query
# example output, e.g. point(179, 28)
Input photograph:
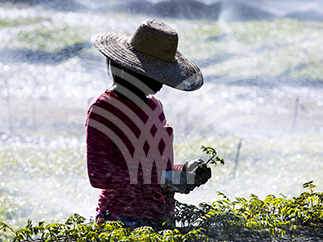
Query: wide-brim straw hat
point(152, 51)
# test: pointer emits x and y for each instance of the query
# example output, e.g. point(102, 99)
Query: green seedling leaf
point(4, 227)
point(213, 154)
point(307, 184)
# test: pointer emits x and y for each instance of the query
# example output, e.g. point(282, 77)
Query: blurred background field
point(262, 64)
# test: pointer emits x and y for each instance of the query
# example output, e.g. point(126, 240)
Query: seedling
point(214, 158)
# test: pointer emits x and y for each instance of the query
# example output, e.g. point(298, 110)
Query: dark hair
point(118, 76)
point(117, 72)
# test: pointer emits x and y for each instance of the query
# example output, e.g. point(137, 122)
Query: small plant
point(213, 154)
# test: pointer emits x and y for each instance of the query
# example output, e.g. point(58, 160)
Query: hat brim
point(181, 73)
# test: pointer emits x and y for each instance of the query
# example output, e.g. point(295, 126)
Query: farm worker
point(129, 141)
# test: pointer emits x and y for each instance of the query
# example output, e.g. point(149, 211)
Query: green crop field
point(35, 178)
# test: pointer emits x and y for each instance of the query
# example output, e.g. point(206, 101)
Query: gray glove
point(200, 169)
point(190, 165)
point(204, 173)
point(179, 181)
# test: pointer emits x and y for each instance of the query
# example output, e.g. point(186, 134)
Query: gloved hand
point(190, 165)
point(204, 174)
point(178, 181)
point(184, 181)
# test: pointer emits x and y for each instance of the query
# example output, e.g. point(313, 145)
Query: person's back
point(146, 153)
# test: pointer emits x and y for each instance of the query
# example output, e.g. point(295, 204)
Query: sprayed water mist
point(262, 87)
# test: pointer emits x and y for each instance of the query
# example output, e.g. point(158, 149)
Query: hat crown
point(156, 39)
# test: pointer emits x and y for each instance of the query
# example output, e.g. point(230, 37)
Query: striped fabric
point(128, 146)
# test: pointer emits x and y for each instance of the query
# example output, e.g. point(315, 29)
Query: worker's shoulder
point(102, 99)
point(154, 101)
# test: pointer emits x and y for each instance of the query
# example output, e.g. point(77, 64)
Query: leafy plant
point(224, 220)
point(256, 218)
point(213, 155)
point(74, 229)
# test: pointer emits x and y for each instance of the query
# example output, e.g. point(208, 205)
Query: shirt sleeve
point(178, 167)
